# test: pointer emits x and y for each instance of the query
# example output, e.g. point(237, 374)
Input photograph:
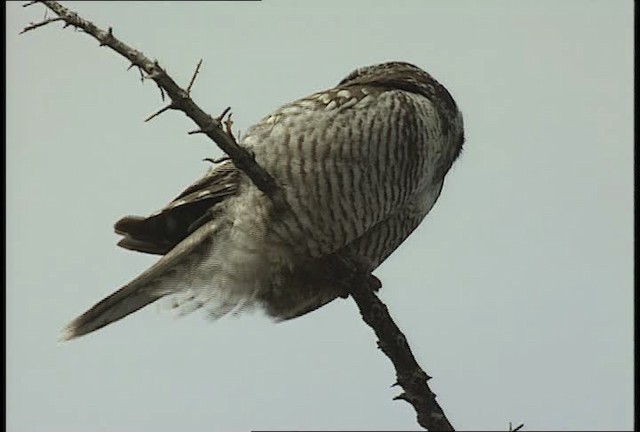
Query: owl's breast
point(347, 160)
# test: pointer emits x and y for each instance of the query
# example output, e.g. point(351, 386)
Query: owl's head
point(398, 75)
point(383, 71)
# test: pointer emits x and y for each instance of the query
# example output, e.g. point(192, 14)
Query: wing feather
point(164, 229)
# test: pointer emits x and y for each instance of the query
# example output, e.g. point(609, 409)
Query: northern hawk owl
point(361, 164)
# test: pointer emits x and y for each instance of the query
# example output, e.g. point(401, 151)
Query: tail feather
point(118, 305)
point(170, 274)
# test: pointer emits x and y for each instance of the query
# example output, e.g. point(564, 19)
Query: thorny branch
point(180, 99)
point(409, 374)
point(390, 339)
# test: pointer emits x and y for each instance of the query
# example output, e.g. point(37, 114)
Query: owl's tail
point(118, 305)
point(165, 277)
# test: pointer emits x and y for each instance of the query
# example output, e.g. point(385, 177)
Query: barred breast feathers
point(350, 155)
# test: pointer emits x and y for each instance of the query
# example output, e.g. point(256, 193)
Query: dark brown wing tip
point(142, 246)
point(128, 223)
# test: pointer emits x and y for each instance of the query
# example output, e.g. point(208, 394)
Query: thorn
point(158, 68)
point(193, 78)
point(216, 160)
point(152, 76)
point(228, 124)
point(162, 97)
point(221, 116)
point(156, 114)
point(213, 122)
point(109, 37)
point(402, 396)
point(395, 384)
point(139, 71)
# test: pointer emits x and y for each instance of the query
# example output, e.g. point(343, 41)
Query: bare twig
point(193, 78)
point(390, 339)
point(44, 22)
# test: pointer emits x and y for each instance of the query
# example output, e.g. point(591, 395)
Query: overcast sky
point(515, 293)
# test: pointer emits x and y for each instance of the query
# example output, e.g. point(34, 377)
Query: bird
point(360, 164)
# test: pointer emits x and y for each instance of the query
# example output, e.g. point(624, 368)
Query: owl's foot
point(347, 271)
point(371, 282)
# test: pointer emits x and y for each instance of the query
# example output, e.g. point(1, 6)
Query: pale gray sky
point(515, 293)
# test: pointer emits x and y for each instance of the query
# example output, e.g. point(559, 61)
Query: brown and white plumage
point(361, 165)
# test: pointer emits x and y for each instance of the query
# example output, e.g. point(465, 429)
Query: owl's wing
point(164, 229)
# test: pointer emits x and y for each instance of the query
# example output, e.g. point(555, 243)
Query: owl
point(360, 164)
